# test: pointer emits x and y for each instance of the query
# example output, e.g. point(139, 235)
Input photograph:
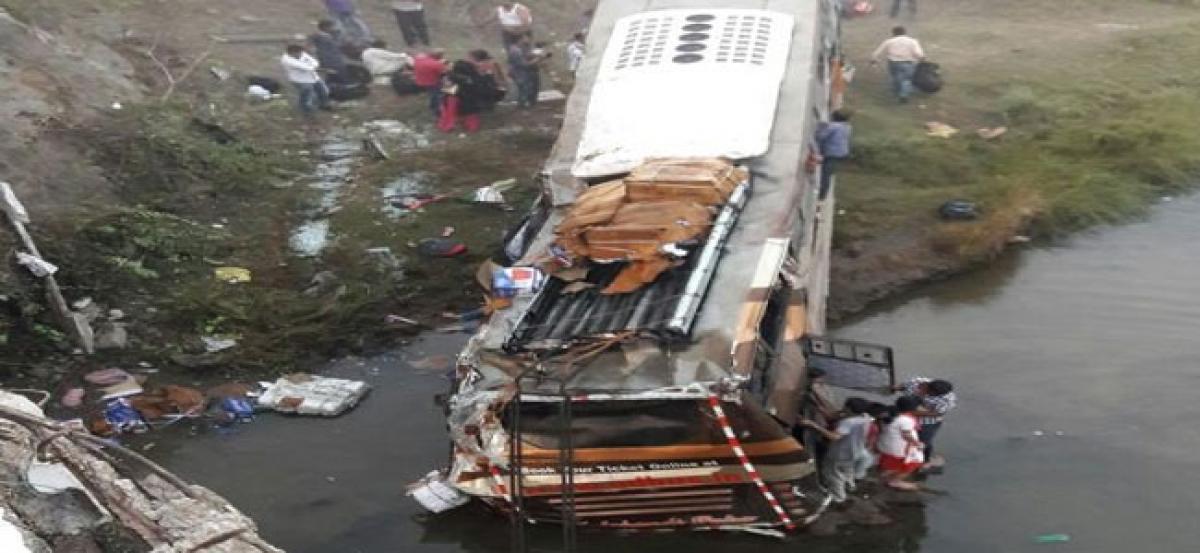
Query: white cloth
point(302, 70)
point(384, 62)
point(518, 17)
point(900, 48)
point(892, 439)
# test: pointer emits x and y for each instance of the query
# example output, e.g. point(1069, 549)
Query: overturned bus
point(648, 375)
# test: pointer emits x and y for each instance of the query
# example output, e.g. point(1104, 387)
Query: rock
point(112, 336)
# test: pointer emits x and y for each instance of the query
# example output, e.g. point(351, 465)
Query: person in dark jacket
point(327, 42)
point(466, 93)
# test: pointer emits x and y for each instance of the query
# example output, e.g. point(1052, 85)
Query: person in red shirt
point(428, 68)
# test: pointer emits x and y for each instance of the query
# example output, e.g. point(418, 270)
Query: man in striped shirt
point(937, 398)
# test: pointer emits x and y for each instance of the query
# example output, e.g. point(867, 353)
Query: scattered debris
point(120, 418)
point(939, 130)
point(126, 388)
point(82, 304)
point(441, 247)
point(447, 232)
point(220, 73)
point(397, 319)
point(492, 193)
point(1020, 239)
point(258, 93)
point(36, 265)
point(958, 210)
point(991, 133)
point(305, 394)
point(169, 401)
point(232, 275)
point(435, 495)
point(214, 344)
point(512, 281)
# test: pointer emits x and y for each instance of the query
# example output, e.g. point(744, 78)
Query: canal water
point(1077, 368)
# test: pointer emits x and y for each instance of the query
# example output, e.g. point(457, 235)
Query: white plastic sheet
point(313, 395)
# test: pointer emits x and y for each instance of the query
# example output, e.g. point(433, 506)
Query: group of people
point(458, 91)
point(896, 438)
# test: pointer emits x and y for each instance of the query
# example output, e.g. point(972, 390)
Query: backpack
point(927, 78)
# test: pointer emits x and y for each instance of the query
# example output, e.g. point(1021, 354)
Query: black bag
point(404, 85)
point(271, 85)
point(927, 78)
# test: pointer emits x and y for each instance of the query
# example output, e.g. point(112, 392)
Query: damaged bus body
point(650, 381)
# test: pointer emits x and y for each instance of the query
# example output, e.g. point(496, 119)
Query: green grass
point(1100, 126)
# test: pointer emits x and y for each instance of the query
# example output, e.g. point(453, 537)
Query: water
point(1088, 344)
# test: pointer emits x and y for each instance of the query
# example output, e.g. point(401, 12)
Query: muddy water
point(1077, 371)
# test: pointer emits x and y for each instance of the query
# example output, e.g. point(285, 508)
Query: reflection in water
point(1076, 366)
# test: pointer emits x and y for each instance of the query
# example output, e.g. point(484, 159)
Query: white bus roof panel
point(685, 82)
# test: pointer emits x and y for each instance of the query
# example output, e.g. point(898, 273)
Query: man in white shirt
point(902, 53)
point(382, 62)
point(515, 21)
point(301, 70)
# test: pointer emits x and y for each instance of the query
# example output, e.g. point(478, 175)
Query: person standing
point(902, 53)
point(344, 12)
point(515, 21)
point(912, 8)
point(493, 76)
point(848, 454)
point(465, 98)
point(524, 65)
point(328, 45)
point(428, 68)
point(937, 398)
point(833, 139)
point(410, 16)
point(575, 51)
point(301, 70)
point(899, 447)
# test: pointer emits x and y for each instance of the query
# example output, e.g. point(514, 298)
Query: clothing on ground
point(899, 48)
point(938, 404)
point(385, 62)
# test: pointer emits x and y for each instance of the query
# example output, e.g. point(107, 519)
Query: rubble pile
point(97, 496)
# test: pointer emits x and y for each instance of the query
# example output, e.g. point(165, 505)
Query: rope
point(736, 445)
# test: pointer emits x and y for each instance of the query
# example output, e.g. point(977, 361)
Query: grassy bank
point(1099, 101)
